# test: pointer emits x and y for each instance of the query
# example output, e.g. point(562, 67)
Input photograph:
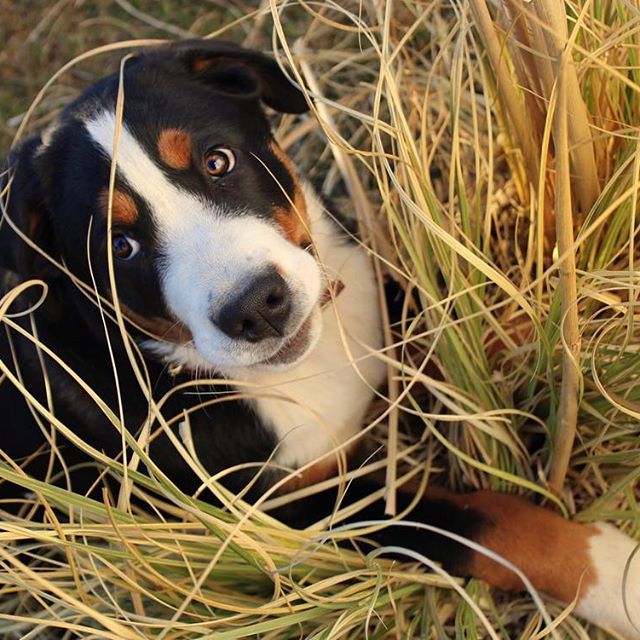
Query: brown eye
point(219, 161)
point(124, 247)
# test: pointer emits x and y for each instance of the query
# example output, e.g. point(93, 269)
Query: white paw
point(615, 559)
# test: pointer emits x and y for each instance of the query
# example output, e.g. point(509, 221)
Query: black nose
point(260, 311)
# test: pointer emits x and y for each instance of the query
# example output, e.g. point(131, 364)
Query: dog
point(221, 260)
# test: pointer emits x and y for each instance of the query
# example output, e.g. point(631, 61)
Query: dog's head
point(210, 241)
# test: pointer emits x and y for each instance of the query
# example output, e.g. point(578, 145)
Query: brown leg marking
point(551, 551)
point(160, 328)
point(327, 467)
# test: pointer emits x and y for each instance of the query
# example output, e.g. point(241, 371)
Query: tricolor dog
point(224, 263)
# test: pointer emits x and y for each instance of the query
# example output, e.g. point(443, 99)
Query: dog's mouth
point(296, 346)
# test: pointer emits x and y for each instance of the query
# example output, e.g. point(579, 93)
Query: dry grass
point(491, 154)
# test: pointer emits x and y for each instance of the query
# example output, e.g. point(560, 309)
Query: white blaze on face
point(208, 255)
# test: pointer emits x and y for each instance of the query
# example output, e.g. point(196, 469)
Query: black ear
point(23, 208)
point(233, 70)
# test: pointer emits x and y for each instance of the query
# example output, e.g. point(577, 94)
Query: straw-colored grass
point(490, 152)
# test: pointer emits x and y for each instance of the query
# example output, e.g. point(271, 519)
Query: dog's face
point(210, 242)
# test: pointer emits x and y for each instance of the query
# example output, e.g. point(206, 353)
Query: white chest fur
point(320, 404)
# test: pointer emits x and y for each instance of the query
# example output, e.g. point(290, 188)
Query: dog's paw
point(612, 597)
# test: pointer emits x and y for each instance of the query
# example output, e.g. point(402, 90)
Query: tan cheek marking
point(294, 220)
point(292, 227)
point(174, 147)
point(331, 292)
point(551, 551)
point(161, 328)
point(124, 209)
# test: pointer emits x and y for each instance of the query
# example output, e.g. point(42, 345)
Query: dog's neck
point(319, 405)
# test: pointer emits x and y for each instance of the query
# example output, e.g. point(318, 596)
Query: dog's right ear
point(23, 207)
point(230, 69)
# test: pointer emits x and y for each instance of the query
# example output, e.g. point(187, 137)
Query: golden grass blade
point(553, 20)
point(505, 86)
point(570, 390)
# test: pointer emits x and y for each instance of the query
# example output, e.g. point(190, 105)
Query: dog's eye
point(219, 161)
point(124, 247)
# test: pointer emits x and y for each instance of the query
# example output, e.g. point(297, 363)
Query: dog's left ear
point(23, 202)
point(233, 70)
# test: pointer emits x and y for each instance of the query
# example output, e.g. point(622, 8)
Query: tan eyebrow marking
point(125, 210)
point(174, 147)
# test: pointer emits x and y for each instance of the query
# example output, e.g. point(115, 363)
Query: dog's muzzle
point(261, 310)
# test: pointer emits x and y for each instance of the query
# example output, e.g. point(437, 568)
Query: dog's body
point(227, 265)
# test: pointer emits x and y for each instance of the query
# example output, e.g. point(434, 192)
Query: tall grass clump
point(490, 153)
